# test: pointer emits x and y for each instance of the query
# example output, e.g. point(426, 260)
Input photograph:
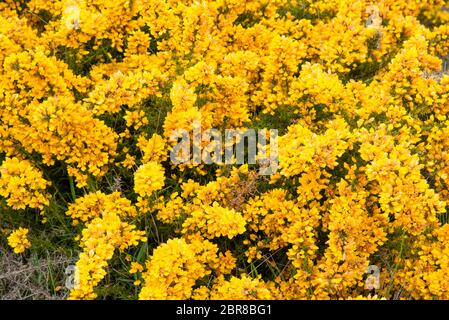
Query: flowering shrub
point(91, 92)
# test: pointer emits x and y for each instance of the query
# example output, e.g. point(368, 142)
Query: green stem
point(72, 188)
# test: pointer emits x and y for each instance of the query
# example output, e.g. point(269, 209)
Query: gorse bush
point(92, 91)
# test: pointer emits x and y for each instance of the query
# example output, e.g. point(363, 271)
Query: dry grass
point(34, 277)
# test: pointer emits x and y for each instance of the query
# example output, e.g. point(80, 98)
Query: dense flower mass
point(93, 94)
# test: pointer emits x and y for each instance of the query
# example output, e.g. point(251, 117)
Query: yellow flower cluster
point(175, 266)
point(215, 221)
point(401, 189)
point(273, 216)
point(153, 149)
point(244, 288)
point(22, 184)
point(354, 235)
point(18, 240)
point(93, 205)
point(101, 237)
point(424, 274)
point(148, 178)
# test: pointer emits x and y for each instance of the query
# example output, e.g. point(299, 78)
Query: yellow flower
point(174, 268)
point(153, 149)
point(92, 205)
point(148, 178)
point(215, 221)
point(101, 237)
point(135, 267)
point(18, 240)
point(22, 184)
